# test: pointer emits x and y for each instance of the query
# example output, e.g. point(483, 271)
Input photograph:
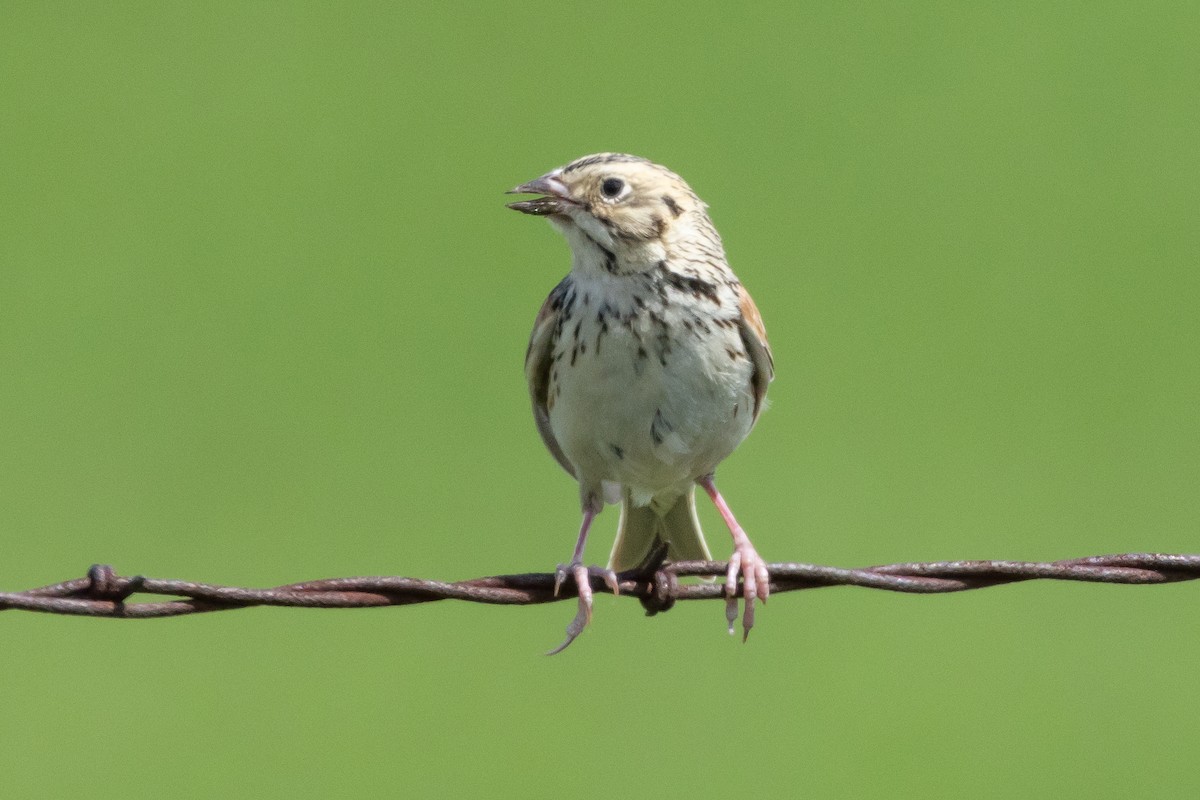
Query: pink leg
point(583, 584)
point(756, 581)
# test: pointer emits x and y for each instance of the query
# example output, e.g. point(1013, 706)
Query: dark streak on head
point(672, 205)
point(604, 158)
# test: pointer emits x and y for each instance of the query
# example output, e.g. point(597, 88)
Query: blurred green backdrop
point(262, 316)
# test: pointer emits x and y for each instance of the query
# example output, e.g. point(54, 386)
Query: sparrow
point(648, 364)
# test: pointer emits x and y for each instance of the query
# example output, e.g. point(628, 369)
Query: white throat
point(595, 251)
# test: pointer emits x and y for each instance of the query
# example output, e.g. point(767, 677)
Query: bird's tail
point(641, 527)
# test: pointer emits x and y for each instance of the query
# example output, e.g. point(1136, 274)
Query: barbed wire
point(104, 593)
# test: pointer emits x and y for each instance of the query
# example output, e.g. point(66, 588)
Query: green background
point(262, 317)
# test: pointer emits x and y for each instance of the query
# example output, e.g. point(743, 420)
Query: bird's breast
point(649, 386)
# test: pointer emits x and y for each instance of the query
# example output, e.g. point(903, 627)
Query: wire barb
point(103, 593)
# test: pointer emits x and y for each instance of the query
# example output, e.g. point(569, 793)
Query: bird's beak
point(555, 200)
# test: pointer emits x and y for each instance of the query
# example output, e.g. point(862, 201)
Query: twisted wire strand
point(103, 593)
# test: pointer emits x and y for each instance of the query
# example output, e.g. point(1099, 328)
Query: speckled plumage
point(648, 364)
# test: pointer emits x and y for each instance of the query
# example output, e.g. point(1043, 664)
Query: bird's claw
point(756, 583)
point(583, 586)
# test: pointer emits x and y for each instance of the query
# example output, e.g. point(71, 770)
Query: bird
point(647, 366)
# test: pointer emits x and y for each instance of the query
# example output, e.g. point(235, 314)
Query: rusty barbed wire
point(103, 593)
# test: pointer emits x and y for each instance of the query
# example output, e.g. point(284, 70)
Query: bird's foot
point(583, 585)
point(756, 583)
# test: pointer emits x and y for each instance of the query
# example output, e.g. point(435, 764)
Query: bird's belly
point(652, 413)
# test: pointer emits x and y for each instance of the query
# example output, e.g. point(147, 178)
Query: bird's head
point(620, 213)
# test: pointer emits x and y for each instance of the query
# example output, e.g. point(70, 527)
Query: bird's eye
point(611, 187)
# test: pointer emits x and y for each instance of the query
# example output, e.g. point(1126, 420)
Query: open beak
point(553, 201)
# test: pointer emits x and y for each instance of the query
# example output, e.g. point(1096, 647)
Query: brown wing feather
point(537, 370)
point(754, 336)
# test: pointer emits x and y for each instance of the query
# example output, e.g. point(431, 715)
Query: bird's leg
point(582, 576)
point(756, 582)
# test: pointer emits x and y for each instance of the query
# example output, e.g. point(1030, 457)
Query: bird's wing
point(538, 360)
point(754, 336)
